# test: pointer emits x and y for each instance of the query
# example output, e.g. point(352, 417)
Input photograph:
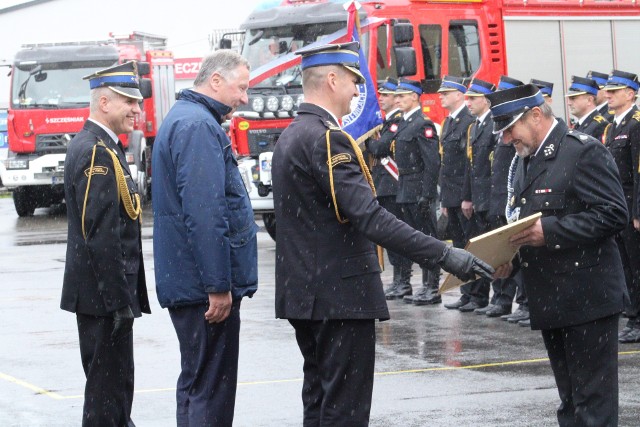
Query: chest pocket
point(619, 144)
point(548, 202)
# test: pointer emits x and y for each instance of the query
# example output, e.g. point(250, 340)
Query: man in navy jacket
point(205, 248)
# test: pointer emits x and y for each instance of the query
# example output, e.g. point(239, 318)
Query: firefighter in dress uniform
point(601, 98)
point(482, 145)
point(453, 152)
point(416, 153)
point(385, 174)
point(327, 273)
point(104, 280)
point(581, 99)
point(622, 138)
point(568, 258)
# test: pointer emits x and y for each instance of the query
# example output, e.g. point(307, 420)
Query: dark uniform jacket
point(386, 185)
point(480, 157)
point(104, 270)
point(594, 124)
point(577, 276)
point(502, 157)
point(418, 159)
point(623, 142)
point(326, 268)
point(453, 149)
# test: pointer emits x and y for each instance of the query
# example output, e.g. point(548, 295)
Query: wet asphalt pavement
point(435, 367)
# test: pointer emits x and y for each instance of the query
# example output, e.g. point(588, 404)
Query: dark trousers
point(339, 357)
point(389, 203)
point(478, 290)
point(108, 366)
point(503, 289)
point(425, 221)
point(457, 227)
point(206, 390)
point(584, 359)
point(629, 246)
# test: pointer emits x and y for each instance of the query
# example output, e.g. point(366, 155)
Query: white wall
point(187, 24)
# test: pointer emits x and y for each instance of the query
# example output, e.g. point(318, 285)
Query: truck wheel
point(24, 201)
point(269, 220)
point(137, 145)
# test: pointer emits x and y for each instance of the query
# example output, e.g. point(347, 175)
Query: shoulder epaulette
point(330, 125)
point(578, 136)
point(636, 116)
point(599, 118)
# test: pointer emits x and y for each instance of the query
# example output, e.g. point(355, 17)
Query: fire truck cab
point(50, 103)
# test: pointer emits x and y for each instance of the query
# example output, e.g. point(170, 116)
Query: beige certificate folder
point(492, 247)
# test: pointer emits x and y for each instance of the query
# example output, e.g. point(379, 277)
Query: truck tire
point(269, 220)
point(24, 201)
point(137, 146)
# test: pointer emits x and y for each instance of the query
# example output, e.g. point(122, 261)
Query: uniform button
point(546, 203)
point(577, 264)
point(525, 264)
point(557, 246)
point(523, 201)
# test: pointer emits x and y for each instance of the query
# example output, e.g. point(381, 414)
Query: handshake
point(464, 265)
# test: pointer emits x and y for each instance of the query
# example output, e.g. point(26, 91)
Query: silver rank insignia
point(512, 202)
point(549, 149)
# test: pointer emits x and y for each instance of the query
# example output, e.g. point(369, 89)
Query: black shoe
point(518, 315)
point(392, 288)
point(498, 311)
point(470, 306)
point(525, 323)
point(456, 305)
point(633, 336)
point(483, 310)
point(400, 292)
point(427, 299)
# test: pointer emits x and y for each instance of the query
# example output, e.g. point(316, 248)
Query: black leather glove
point(424, 206)
point(464, 265)
point(122, 323)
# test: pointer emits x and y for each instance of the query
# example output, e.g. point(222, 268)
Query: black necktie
point(477, 130)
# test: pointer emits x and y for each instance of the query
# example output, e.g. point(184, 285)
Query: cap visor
point(402, 91)
point(614, 87)
point(469, 93)
point(500, 125)
point(357, 72)
point(129, 92)
point(446, 89)
point(570, 94)
point(387, 91)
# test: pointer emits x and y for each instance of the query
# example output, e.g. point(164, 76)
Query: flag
point(365, 114)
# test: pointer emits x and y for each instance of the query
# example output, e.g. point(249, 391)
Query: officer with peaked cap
point(581, 98)
point(485, 185)
point(104, 280)
point(546, 89)
point(418, 159)
point(622, 138)
point(601, 99)
point(569, 260)
point(327, 273)
point(453, 151)
point(385, 172)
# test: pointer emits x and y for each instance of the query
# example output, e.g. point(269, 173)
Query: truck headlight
point(257, 104)
point(287, 103)
point(16, 164)
point(299, 100)
point(272, 103)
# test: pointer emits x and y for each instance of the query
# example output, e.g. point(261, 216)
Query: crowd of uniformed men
point(470, 165)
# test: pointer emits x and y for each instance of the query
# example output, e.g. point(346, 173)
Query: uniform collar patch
point(549, 150)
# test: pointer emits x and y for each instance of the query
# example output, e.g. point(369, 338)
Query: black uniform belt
point(406, 171)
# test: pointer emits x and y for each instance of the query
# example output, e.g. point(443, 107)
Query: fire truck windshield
point(50, 87)
point(262, 45)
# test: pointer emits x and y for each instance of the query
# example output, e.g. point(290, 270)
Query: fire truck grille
point(262, 140)
point(53, 143)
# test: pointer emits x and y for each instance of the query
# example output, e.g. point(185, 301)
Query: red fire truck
point(50, 102)
point(544, 39)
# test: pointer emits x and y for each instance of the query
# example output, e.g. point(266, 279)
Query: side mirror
point(402, 33)
point(144, 69)
point(405, 61)
point(224, 43)
point(145, 88)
